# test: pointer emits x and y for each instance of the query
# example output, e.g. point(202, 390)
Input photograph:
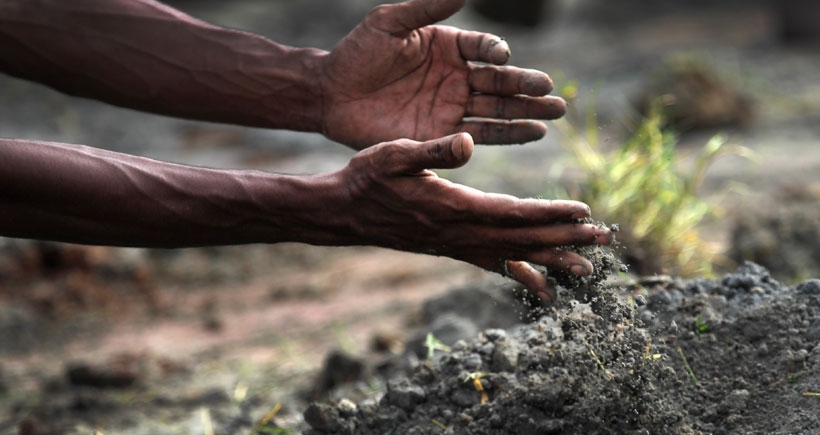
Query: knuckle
point(499, 80)
point(500, 108)
point(481, 42)
point(380, 13)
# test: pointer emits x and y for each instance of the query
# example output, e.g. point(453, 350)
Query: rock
point(660, 301)
point(81, 374)
point(495, 334)
point(810, 287)
point(472, 362)
point(813, 331)
point(339, 368)
point(814, 355)
point(736, 401)
point(321, 416)
point(505, 357)
point(346, 408)
point(404, 394)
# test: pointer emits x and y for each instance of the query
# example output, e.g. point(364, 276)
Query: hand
point(394, 201)
point(398, 76)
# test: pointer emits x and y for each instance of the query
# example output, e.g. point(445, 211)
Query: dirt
point(734, 355)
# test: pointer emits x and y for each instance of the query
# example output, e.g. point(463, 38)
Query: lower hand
point(393, 200)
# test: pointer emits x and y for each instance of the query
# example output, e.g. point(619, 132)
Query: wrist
point(305, 209)
point(291, 97)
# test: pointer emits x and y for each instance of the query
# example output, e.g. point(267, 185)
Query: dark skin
point(397, 80)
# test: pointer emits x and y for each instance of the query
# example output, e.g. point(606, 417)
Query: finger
point(402, 18)
point(534, 280)
point(443, 153)
point(483, 47)
point(520, 271)
point(516, 107)
point(560, 259)
point(527, 240)
point(487, 131)
point(509, 210)
point(509, 80)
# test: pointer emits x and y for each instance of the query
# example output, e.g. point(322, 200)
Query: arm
point(385, 197)
point(145, 55)
point(396, 75)
point(79, 194)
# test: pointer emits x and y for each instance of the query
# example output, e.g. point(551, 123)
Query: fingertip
point(528, 131)
point(604, 238)
point(462, 147)
point(446, 152)
point(534, 280)
point(499, 52)
point(548, 295)
point(583, 212)
point(582, 269)
point(536, 84)
point(539, 130)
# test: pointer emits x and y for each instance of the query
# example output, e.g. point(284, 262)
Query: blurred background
point(692, 125)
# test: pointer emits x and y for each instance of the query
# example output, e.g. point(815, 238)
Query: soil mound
point(734, 355)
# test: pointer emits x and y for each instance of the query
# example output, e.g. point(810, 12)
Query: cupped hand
point(397, 75)
point(393, 200)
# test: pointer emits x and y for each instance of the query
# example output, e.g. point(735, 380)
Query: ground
point(147, 342)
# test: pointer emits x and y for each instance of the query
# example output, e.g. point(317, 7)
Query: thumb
point(402, 18)
point(448, 152)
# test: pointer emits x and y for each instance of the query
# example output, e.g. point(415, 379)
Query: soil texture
point(735, 355)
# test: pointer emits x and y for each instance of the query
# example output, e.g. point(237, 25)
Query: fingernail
point(583, 214)
point(546, 296)
point(607, 238)
point(499, 51)
point(579, 269)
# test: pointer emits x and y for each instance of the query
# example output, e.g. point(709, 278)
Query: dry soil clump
point(734, 355)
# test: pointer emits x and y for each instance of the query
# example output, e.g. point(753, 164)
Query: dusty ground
point(736, 355)
point(188, 340)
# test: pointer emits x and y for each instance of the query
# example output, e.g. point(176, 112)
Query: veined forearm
point(79, 194)
point(147, 56)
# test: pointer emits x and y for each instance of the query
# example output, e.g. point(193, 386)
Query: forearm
point(147, 56)
point(85, 195)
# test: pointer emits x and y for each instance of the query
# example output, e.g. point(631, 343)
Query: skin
point(397, 80)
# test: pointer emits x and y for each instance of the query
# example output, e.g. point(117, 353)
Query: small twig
point(476, 377)
point(688, 367)
point(267, 418)
point(811, 394)
point(601, 365)
point(439, 424)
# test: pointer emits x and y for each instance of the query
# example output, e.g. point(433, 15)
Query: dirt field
point(207, 341)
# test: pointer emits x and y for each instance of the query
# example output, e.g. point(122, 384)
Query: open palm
point(397, 75)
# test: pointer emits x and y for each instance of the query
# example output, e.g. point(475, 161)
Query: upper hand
point(397, 75)
point(393, 200)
